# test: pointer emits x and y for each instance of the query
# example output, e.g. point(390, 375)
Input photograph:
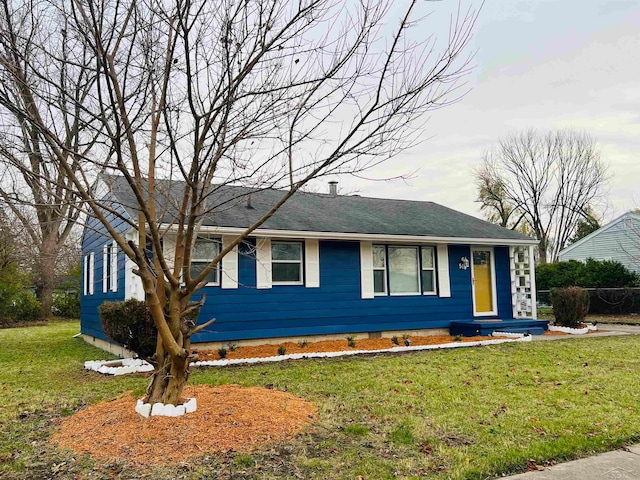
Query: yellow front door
point(483, 282)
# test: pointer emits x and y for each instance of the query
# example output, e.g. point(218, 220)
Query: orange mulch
point(228, 418)
point(268, 350)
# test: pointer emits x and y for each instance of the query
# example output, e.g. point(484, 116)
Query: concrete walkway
point(604, 330)
point(618, 465)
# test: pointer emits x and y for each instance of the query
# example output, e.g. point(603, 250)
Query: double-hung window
point(379, 270)
point(88, 273)
point(404, 270)
point(110, 268)
point(428, 270)
point(204, 250)
point(286, 263)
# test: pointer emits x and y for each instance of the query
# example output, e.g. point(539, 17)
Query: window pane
point(286, 272)
point(286, 251)
point(107, 265)
point(379, 281)
point(481, 257)
point(378, 256)
point(403, 270)
point(427, 257)
point(428, 281)
point(197, 267)
point(205, 249)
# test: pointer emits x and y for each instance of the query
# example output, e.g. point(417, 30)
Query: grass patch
point(468, 413)
point(356, 429)
point(402, 434)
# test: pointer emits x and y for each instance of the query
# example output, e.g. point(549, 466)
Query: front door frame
point(492, 269)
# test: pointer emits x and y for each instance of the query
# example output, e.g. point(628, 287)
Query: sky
point(543, 64)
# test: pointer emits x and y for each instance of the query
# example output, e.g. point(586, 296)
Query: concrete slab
point(635, 449)
point(616, 465)
point(604, 330)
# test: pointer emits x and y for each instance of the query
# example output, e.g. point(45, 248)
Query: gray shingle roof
point(312, 212)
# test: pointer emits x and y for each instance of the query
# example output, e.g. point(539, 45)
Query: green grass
point(467, 413)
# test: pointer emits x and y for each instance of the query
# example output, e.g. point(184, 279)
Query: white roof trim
point(599, 231)
point(362, 236)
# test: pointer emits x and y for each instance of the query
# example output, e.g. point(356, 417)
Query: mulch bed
point(261, 351)
point(229, 418)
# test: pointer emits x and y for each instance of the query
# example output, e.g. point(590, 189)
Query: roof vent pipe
point(333, 188)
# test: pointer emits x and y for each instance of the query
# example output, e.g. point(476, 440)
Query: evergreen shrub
point(129, 324)
point(570, 305)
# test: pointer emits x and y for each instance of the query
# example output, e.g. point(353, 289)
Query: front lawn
point(468, 413)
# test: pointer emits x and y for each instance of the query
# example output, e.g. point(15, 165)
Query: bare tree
point(193, 95)
point(551, 180)
point(51, 84)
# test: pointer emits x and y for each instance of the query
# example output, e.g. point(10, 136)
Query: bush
point(129, 323)
point(13, 285)
point(590, 274)
point(26, 307)
point(618, 301)
point(570, 305)
point(66, 304)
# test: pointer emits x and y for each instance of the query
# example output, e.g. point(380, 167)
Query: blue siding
point(94, 238)
point(336, 306)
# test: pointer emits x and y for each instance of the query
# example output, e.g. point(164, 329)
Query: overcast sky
point(541, 64)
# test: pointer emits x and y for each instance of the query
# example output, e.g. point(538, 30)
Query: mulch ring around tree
point(228, 418)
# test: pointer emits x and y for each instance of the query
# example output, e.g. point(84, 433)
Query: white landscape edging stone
point(573, 331)
point(161, 410)
point(295, 356)
point(118, 367)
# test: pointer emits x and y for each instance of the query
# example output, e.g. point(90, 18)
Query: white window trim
point(114, 266)
point(442, 263)
point(263, 263)
point(433, 269)
point(91, 273)
point(105, 259)
point(85, 276)
point(217, 267)
point(312, 263)
point(366, 270)
point(299, 262)
point(229, 273)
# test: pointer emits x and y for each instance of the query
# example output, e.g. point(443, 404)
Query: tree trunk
point(45, 277)
point(542, 250)
point(168, 380)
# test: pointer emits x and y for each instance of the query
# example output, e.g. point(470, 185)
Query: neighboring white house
point(619, 241)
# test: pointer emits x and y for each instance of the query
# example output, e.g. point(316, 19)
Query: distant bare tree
point(261, 93)
point(496, 205)
point(52, 85)
point(550, 180)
